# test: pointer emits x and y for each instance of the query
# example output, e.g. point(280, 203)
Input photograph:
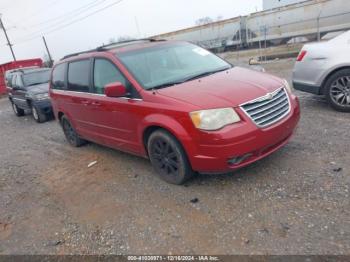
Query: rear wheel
point(38, 115)
point(337, 90)
point(18, 111)
point(168, 158)
point(70, 133)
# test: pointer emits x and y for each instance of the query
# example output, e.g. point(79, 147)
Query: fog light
point(239, 159)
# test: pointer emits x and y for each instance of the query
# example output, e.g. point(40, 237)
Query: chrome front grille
point(269, 109)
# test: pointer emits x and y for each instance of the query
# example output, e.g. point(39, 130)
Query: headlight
point(287, 86)
point(43, 96)
point(214, 119)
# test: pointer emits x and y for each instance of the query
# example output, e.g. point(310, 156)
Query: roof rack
point(114, 45)
point(78, 53)
point(24, 69)
point(126, 42)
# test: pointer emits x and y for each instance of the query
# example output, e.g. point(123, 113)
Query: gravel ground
point(296, 201)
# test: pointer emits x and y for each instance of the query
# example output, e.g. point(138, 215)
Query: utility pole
point(48, 52)
point(318, 27)
point(7, 38)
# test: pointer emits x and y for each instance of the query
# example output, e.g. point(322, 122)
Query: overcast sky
point(27, 20)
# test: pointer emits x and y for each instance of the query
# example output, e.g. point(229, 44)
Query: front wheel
point(168, 158)
point(337, 90)
point(38, 115)
point(71, 135)
point(18, 111)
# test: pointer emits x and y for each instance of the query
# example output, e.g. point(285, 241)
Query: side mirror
point(115, 89)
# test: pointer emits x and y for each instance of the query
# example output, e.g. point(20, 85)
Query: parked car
point(175, 103)
point(28, 90)
point(324, 69)
point(10, 73)
point(7, 67)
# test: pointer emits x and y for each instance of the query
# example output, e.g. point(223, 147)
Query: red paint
point(121, 123)
point(13, 65)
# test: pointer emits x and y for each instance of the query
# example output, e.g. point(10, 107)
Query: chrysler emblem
point(269, 96)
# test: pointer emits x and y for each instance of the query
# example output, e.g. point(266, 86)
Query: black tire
point(168, 158)
point(337, 90)
point(70, 133)
point(18, 111)
point(38, 116)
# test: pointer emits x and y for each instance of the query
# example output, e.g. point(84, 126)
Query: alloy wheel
point(15, 108)
point(165, 157)
point(340, 91)
point(35, 113)
point(69, 132)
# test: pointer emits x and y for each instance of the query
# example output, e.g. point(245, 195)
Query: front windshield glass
point(170, 64)
point(36, 78)
point(343, 38)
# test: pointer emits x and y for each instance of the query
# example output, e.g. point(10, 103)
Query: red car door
point(113, 120)
point(78, 97)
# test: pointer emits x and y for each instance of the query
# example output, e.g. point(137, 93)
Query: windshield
point(171, 64)
point(36, 78)
point(342, 38)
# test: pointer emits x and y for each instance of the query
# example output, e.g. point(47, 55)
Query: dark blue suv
point(28, 91)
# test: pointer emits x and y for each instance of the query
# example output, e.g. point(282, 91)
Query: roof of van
point(121, 46)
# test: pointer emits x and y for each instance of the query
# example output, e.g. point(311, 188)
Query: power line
point(41, 9)
point(72, 22)
point(62, 19)
point(25, 18)
point(76, 11)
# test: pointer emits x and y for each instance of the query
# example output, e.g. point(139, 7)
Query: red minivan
point(179, 105)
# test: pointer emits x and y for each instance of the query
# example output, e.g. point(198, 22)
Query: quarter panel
point(332, 69)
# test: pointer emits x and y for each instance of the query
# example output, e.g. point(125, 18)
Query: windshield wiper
point(34, 84)
point(167, 85)
point(206, 74)
point(189, 78)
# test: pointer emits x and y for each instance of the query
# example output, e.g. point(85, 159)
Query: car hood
point(39, 89)
point(230, 88)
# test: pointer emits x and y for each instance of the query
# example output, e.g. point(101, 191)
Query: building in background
point(270, 4)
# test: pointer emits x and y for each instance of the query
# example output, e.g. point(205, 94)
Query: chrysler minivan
point(179, 105)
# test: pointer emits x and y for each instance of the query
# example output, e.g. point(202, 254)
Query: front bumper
point(242, 140)
point(44, 106)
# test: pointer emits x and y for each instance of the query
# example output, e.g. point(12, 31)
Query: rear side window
point(9, 80)
point(7, 77)
point(78, 76)
point(58, 77)
point(18, 81)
